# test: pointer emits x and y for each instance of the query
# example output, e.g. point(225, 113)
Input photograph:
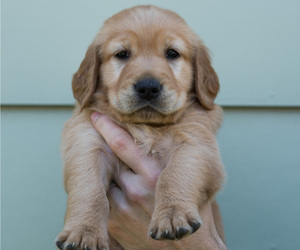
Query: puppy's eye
point(172, 54)
point(124, 54)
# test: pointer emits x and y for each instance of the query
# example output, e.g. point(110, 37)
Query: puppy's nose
point(148, 88)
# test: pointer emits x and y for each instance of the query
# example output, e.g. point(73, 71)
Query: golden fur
point(178, 127)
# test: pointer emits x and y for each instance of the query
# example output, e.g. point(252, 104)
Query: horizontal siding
point(255, 47)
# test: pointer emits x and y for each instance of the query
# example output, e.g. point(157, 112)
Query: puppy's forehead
point(141, 16)
point(127, 42)
point(143, 26)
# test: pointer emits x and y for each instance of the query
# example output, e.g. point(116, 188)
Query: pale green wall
point(255, 46)
point(256, 53)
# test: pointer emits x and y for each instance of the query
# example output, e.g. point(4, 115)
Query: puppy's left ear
point(206, 80)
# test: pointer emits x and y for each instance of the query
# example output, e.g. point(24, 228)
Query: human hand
point(132, 198)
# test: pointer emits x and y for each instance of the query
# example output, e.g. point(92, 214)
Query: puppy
point(150, 73)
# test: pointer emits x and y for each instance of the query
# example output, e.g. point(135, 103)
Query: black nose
point(148, 88)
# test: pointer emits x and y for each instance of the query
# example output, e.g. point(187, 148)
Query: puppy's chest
point(154, 141)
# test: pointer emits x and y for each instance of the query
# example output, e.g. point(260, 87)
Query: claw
point(181, 232)
point(152, 235)
point(71, 246)
point(59, 244)
point(195, 225)
point(166, 235)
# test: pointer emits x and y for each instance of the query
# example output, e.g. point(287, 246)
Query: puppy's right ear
point(85, 80)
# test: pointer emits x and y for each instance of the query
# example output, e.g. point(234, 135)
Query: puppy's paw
point(173, 223)
point(82, 238)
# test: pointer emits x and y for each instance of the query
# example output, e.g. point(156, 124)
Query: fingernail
point(95, 115)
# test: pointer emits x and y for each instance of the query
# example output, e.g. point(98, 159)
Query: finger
point(125, 179)
point(121, 143)
point(123, 209)
point(116, 196)
point(122, 217)
point(118, 202)
point(138, 190)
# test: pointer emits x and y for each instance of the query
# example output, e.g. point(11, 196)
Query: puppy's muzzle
point(148, 89)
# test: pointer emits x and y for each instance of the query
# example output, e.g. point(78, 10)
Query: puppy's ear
point(206, 80)
point(85, 80)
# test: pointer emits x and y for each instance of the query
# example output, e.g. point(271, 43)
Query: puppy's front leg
point(86, 183)
point(192, 176)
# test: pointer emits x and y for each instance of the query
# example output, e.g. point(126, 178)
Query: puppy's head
point(145, 66)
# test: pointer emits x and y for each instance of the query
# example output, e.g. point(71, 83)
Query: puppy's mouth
point(148, 113)
point(147, 109)
point(135, 110)
point(151, 107)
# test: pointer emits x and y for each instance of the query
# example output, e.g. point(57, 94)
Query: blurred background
point(255, 50)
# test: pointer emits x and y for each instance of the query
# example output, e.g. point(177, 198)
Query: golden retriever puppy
point(151, 74)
